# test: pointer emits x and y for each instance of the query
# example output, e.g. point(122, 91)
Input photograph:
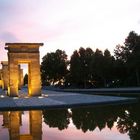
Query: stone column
point(0, 78)
point(2, 81)
point(34, 79)
point(36, 124)
point(13, 79)
point(20, 80)
point(19, 85)
point(5, 75)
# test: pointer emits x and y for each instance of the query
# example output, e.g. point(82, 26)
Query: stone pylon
point(24, 53)
point(0, 78)
point(5, 75)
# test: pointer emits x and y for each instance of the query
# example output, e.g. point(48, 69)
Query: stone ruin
point(11, 75)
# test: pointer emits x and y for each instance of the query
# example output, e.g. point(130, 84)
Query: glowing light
point(40, 97)
point(15, 98)
point(2, 96)
point(26, 97)
point(46, 95)
point(8, 92)
point(0, 82)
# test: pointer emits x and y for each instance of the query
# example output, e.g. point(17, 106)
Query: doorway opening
point(24, 77)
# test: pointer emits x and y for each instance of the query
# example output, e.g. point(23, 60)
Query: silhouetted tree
point(97, 68)
point(80, 66)
point(54, 67)
point(87, 68)
point(108, 68)
point(132, 42)
point(91, 68)
point(129, 56)
point(75, 68)
point(26, 79)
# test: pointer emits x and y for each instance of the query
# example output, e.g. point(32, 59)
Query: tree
point(88, 68)
point(96, 68)
point(108, 68)
point(80, 66)
point(132, 42)
point(75, 68)
point(54, 67)
point(129, 55)
point(85, 60)
point(26, 79)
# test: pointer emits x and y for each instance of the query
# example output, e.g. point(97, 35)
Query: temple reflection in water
point(125, 119)
point(13, 121)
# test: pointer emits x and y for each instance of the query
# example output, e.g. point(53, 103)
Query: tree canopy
point(26, 79)
point(54, 67)
point(87, 68)
point(129, 55)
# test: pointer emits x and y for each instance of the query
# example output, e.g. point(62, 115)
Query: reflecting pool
point(119, 122)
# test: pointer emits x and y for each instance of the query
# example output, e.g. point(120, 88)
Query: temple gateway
point(11, 75)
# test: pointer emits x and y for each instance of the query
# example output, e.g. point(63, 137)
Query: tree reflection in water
point(100, 117)
point(57, 118)
point(125, 117)
point(129, 122)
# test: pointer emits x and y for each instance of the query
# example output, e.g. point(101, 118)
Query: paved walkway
point(52, 99)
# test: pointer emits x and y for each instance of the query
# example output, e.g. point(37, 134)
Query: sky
point(68, 24)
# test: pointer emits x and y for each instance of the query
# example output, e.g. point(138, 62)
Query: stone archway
point(24, 53)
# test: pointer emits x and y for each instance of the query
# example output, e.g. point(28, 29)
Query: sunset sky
point(68, 24)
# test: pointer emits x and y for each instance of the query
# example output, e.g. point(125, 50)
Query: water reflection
point(126, 118)
point(91, 118)
point(59, 118)
point(13, 120)
point(129, 122)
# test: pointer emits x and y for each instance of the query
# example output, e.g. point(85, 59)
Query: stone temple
point(12, 76)
point(4, 75)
